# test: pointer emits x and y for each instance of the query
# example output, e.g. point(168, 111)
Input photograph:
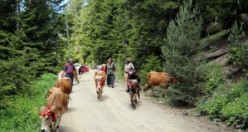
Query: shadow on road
point(64, 129)
point(70, 109)
point(103, 98)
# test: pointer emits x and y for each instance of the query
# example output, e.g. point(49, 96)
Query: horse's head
point(48, 118)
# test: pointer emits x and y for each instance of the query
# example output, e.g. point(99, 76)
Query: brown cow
point(161, 79)
point(51, 113)
point(64, 84)
point(100, 77)
point(75, 74)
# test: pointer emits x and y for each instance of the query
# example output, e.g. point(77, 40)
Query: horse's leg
point(135, 99)
point(131, 98)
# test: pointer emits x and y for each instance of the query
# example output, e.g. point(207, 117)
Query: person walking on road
point(110, 70)
point(69, 69)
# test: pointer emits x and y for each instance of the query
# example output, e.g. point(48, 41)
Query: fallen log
point(217, 53)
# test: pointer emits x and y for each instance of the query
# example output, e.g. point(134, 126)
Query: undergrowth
point(222, 102)
point(21, 111)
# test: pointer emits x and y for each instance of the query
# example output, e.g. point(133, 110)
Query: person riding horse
point(132, 75)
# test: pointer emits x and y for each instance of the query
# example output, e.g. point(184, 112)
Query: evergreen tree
point(41, 26)
point(149, 20)
point(181, 51)
point(236, 34)
point(237, 47)
point(14, 73)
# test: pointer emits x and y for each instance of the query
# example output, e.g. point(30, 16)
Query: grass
point(21, 113)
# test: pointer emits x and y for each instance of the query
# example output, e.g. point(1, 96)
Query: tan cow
point(75, 74)
point(161, 79)
point(100, 78)
point(51, 113)
point(64, 84)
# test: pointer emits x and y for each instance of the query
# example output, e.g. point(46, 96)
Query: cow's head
point(60, 75)
point(98, 81)
point(173, 80)
point(48, 118)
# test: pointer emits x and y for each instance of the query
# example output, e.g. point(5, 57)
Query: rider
point(68, 70)
point(130, 73)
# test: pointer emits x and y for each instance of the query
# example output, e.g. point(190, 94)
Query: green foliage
point(216, 102)
point(21, 113)
point(30, 45)
point(236, 34)
point(239, 56)
point(119, 64)
point(221, 13)
point(215, 77)
point(236, 111)
point(181, 52)
point(215, 37)
point(152, 63)
point(238, 48)
point(228, 104)
point(15, 77)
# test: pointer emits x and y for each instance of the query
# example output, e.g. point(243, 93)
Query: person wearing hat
point(69, 69)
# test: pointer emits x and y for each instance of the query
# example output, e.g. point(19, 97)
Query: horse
point(133, 81)
point(133, 85)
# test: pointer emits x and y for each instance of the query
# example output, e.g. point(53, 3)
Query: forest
point(202, 43)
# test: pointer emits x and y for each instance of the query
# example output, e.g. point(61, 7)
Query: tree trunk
point(17, 14)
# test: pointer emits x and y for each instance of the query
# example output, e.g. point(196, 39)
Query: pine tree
point(41, 26)
point(236, 34)
point(181, 50)
point(14, 73)
point(237, 47)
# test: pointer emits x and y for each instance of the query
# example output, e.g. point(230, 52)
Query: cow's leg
point(152, 88)
point(58, 123)
point(161, 95)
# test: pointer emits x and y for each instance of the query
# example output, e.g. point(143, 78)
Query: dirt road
point(115, 114)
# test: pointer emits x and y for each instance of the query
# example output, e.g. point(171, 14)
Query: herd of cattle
point(58, 95)
point(57, 101)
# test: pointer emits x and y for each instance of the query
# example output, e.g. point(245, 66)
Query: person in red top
point(69, 69)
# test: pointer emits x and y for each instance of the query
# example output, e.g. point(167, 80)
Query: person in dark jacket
point(69, 69)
